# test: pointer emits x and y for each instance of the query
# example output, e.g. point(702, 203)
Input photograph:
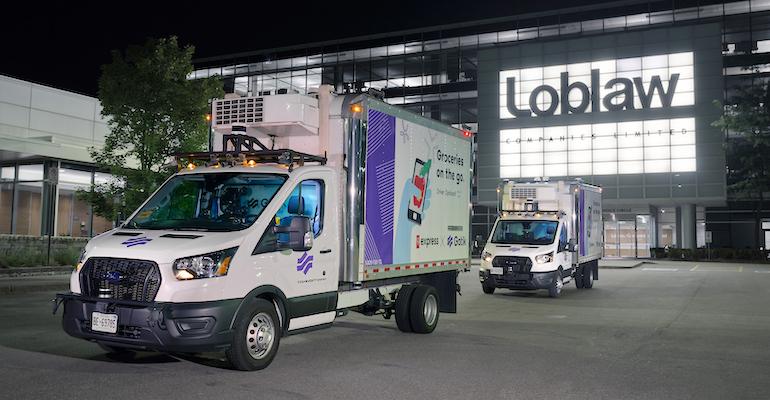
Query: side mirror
point(295, 233)
point(572, 245)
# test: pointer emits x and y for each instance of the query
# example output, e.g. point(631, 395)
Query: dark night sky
point(64, 44)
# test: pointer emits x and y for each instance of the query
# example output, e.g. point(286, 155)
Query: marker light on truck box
point(205, 265)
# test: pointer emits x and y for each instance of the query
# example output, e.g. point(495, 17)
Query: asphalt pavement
point(662, 331)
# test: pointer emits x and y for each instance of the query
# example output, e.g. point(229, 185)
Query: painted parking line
point(761, 271)
point(661, 269)
point(694, 268)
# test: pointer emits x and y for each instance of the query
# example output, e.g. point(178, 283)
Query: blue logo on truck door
point(304, 263)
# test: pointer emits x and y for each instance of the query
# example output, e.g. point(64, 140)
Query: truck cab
point(546, 235)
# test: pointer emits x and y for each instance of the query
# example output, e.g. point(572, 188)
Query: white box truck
point(307, 207)
point(546, 234)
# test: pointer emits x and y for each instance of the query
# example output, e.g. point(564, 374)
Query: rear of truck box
point(416, 195)
point(589, 223)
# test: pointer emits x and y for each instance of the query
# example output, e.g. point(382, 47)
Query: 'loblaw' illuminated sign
point(599, 86)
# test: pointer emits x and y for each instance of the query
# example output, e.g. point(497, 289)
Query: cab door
point(563, 255)
point(307, 278)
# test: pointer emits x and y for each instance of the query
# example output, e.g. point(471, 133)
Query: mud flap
point(446, 285)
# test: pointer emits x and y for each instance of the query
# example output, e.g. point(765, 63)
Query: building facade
point(619, 94)
point(45, 136)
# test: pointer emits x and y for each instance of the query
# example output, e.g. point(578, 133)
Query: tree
point(747, 124)
point(153, 111)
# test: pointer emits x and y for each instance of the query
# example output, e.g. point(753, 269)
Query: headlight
point(486, 256)
point(81, 259)
point(544, 258)
point(205, 265)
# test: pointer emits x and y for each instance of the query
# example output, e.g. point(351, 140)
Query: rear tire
point(488, 289)
point(558, 283)
point(579, 277)
point(256, 337)
point(402, 308)
point(423, 309)
point(588, 276)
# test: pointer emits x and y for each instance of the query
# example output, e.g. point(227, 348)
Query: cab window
point(563, 238)
point(305, 200)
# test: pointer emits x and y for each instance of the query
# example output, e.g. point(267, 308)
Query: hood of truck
point(161, 246)
point(518, 250)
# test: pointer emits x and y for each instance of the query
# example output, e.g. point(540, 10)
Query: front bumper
point(171, 327)
point(518, 280)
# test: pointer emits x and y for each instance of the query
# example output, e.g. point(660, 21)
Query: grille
point(120, 279)
point(243, 110)
point(523, 193)
point(512, 264)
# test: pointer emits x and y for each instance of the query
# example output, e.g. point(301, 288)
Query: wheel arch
point(272, 294)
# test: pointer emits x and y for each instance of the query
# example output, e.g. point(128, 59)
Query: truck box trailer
point(546, 234)
point(307, 206)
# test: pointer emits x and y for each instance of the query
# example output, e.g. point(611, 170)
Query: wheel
point(579, 277)
point(487, 288)
point(558, 283)
point(402, 308)
point(115, 350)
point(423, 309)
point(256, 337)
point(588, 276)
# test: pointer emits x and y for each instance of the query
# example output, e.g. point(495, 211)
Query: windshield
point(525, 232)
point(226, 201)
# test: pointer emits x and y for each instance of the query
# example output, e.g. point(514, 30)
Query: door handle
point(326, 251)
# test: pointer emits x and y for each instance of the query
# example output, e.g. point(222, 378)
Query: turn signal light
point(356, 108)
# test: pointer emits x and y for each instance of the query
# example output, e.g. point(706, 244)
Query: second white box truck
point(546, 234)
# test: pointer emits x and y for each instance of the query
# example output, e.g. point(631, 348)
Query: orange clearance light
point(207, 117)
point(356, 108)
point(191, 166)
point(252, 163)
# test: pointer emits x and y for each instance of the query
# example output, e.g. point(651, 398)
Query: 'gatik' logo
point(136, 241)
point(304, 263)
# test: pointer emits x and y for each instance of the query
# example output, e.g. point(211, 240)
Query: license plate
point(107, 323)
point(496, 270)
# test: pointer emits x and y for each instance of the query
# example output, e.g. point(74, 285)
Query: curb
point(10, 288)
point(35, 271)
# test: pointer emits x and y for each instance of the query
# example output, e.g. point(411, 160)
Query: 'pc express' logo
point(136, 241)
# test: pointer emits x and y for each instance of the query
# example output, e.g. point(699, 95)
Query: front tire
point(423, 309)
point(558, 283)
point(488, 289)
point(256, 337)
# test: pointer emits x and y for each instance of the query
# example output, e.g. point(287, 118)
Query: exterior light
point(252, 163)
point(190, 166)
point(467, 133)
point(356, 108)
point(207, 117)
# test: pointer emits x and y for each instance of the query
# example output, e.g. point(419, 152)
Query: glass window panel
point(28, 210)
point(605, 155)
point(657, 139)
point(7, 173)
point(630, 167)
point(683, 165)
point(657, 166)
point(555, 170)
point(510, 172)
point(531, 158)
point(657, 153)
point(6, 205)
point(605, 168)
point(510, 159)
point(31, 172)
point(631, 154)
point(580, 169)
point(687, 151)
point(532, 171)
